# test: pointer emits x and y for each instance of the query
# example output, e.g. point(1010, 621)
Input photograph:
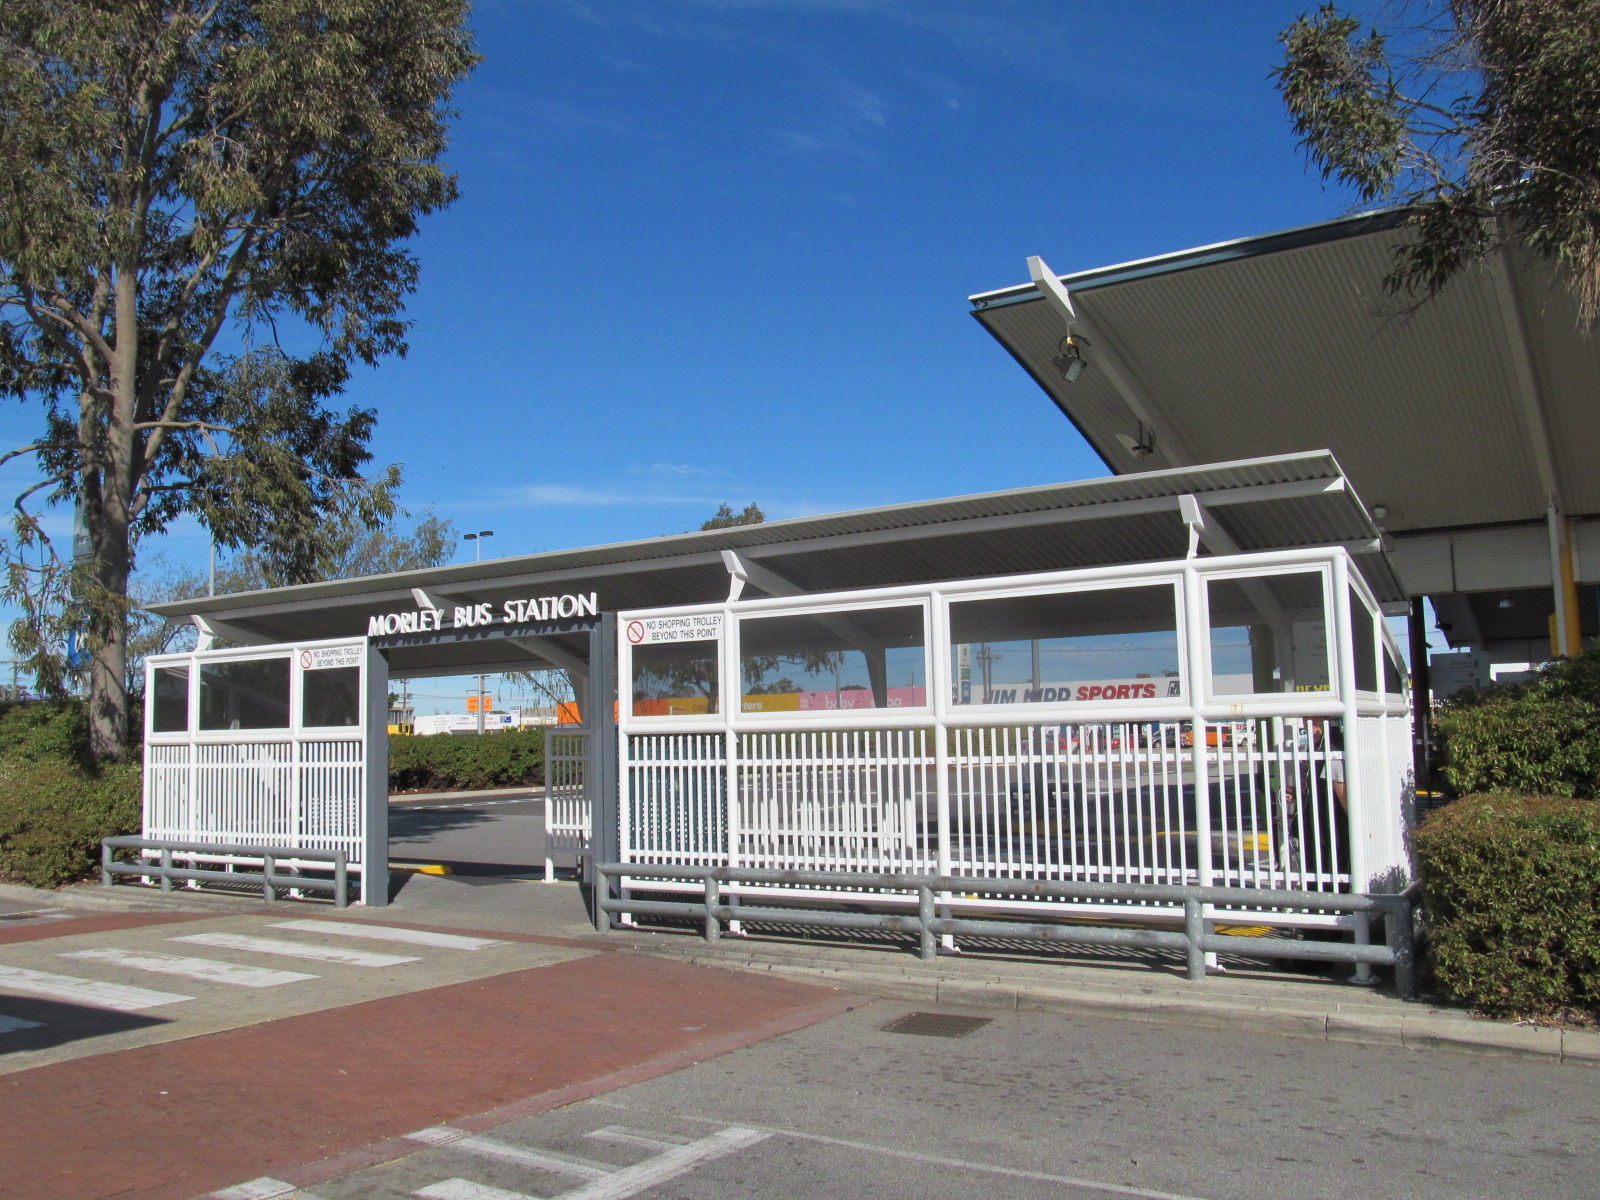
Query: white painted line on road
point(12, 1024)
point(118, 997)
point(547, 1160)
point(390, 933)
point(265, 1188)
point(1118, 1189)
point(645, 1138)
point(206, 969)
point(630, 1181)
point(465, 1189)
point(259, 945)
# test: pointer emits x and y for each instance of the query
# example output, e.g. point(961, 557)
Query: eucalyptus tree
point(1482, 116)
point(204, 214)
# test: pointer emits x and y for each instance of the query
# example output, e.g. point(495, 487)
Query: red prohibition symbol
point(636, 632)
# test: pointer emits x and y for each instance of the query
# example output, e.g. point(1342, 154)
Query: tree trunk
point(108, 671)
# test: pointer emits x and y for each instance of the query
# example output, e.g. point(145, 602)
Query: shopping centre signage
point(477, 616)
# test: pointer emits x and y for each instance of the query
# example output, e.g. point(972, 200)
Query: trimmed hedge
point(1512, 888)
point(54, 808)
point(1541, 738)
point(444, 762)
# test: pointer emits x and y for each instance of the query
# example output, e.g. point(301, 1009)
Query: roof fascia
point(1203, 256)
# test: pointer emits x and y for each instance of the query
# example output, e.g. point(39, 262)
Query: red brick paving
point(187, 1117)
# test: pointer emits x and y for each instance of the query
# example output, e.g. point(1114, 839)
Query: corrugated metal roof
point(1287, 500)
point(1271, 345)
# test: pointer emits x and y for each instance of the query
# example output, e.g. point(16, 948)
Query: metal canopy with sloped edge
point(1281, 502)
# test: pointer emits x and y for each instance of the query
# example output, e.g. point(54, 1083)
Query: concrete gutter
point(1256, 1003)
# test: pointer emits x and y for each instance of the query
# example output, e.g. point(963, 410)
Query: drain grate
point(935, 1024)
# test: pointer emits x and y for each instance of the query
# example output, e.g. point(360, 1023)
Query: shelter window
point(1363, 645)
point(1269, 634)
point(250, 693)
point(170, 700)
point(1394, 676)
point(675, 679)
point(1109, 645)
point(822, 662)
point(330, 697)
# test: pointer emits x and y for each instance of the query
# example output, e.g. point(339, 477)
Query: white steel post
point(1343, 646)
point(1196, 658)
point(940, 697)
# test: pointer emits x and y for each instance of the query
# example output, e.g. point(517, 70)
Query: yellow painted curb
point(422, 868)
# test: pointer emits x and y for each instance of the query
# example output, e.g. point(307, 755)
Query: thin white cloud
point(560, 495)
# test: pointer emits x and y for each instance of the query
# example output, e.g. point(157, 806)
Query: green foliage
point(444, 762)
point(54, 806)
point(1482, 115)
point(179, 171)
point(1512, 888)
point(726, 518)
point(1541, 738)
point(1525, 742)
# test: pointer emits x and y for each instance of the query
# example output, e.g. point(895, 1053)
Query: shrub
point(1529, 740)
point(1512, 889)
point(444, 762)
point(45, 731)
point(53, 814)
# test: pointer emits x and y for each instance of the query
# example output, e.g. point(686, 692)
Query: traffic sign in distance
point(472, 704)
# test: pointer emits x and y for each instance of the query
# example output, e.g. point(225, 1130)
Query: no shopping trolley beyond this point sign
point(650, 631)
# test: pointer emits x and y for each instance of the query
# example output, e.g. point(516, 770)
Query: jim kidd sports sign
point(475, 616)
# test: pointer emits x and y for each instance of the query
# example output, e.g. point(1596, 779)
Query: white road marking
point(390, 933)
point(118, 997)
point(1119, 1189)
point(465, 1189)
point(637, 1137)
point(630, 1181)
point(207, 969)
point(546, 1160)
point(12, 1024)
point(265, 1188)
point(333, 954)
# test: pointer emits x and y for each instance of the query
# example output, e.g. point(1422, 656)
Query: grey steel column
point(605, 795)
point(375, 844)
point(1421, 698)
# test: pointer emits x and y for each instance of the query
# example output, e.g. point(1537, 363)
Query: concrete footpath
point(1083, 980)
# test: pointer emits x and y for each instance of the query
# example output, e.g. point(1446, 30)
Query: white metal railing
point(282, 793)
point(567, 809)
point(1198, 782)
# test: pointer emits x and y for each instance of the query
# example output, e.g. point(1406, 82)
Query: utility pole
point(482, 701)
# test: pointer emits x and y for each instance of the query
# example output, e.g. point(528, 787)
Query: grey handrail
point(1397, 952)
point(270, 856)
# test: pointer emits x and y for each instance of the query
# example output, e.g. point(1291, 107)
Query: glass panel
point(170, 711)
point(675, 679)
point(859, 658)
point(331, 696)
point(1112, 645)
point(1361, 645)
point(1394, 678)
point(252, 694)
point(1268, 634)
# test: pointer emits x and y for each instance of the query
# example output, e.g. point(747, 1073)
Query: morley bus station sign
point(476, 616)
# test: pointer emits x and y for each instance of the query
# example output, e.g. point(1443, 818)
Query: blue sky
point(719, 250)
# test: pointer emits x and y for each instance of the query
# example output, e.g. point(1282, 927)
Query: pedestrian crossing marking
point(265, 1188)
point(645, 1138)
point(546, 1160)
point(615, 1183)
point(390, 933)
point(119, 997)
point(465, 1189)
point(260, 945)
point(206, 969)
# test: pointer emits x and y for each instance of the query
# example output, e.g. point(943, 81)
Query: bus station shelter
point(1177, 677)
point(1467, 422)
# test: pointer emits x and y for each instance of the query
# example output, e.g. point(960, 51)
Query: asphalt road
point(501, 834)
point(1036, 1105)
